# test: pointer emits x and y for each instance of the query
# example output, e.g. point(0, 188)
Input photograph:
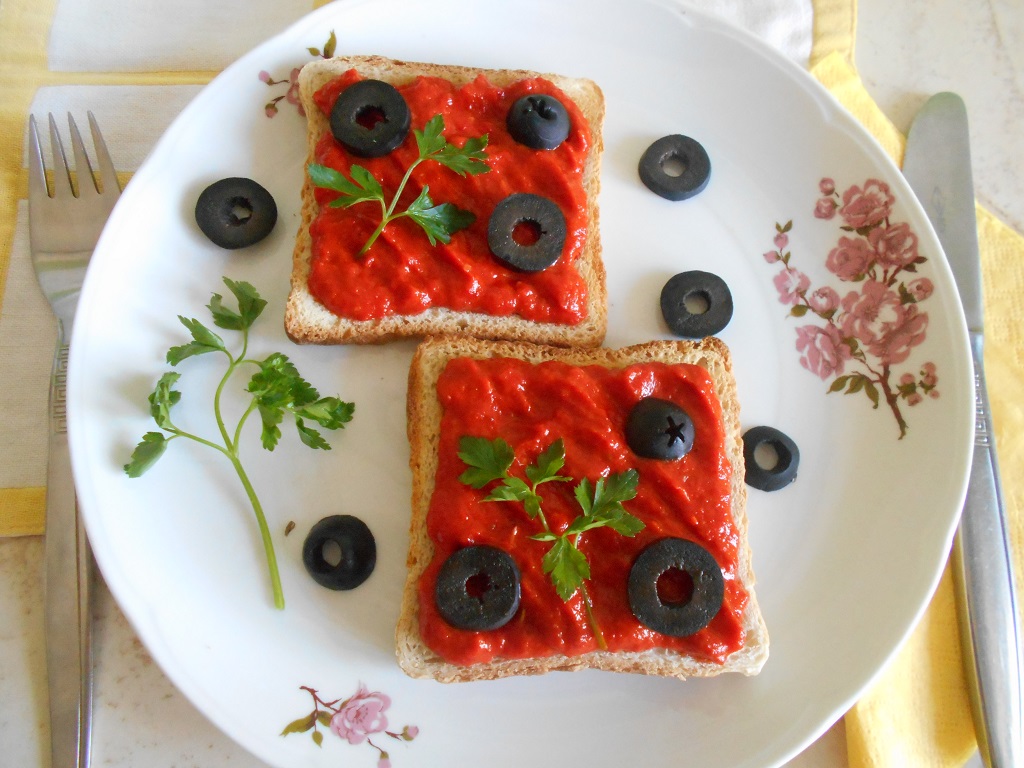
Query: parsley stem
point(216, 402)
point(390, 211)
point(589, 606)
point(231, 451)
point(261, 519)
point(202, 441)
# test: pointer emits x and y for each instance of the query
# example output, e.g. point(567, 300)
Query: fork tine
point(83, 168)
point(60, 163)
point(37, 191)
point(107, 173)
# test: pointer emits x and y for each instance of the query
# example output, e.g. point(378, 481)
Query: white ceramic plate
point(846, 557)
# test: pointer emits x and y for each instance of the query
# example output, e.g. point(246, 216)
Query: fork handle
point(68, 577)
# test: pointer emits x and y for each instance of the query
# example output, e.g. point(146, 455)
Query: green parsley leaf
point(329, 412)
point(146, 453)
point(602, 505)
point(487, 460)
point(440, 222)
point(270, 417)
point(224, 317)
point(203, 340)
point(277, 388)
point(311, 437)
point(163, 398)
point(546, 467)
point(512, 489)
point(625, 524)
point(430, 140)
point(567, 566)
point(250, 306)
point(470, 158)
point(250, 303)
point(361, 188)
point(618, 488)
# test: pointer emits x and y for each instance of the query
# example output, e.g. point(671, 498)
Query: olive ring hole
point(478, 585)
point(674, 165)
point(240, 211)
point(370, 116)
point(527, 232)
point(329, 556)
point(674, 587)
point(697, 302)
point(772, 456)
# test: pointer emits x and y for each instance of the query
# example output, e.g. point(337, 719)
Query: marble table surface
point(905, 51)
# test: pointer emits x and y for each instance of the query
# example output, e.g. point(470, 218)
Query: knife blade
point(937, 164)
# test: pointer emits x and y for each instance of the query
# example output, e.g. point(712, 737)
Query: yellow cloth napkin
point(917, 713)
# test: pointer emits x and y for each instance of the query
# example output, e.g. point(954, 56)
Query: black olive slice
point(527, 232)
point(696, 304)
point(670, 609)
point(236, 212)
point(370, 118)
point(478, 588)
point(777, 474)
point(675, 167)
point(659, 429)
point(538, 121)
point(339, 552)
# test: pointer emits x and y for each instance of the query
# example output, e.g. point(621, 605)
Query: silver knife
point(937, 163)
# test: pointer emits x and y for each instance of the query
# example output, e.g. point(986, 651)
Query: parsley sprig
point(488, 461)
point(438, 221)
point(276, 388)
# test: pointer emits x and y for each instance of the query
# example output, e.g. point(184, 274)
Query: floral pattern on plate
point(292, 81)
point(867, 327)
point(355, 719)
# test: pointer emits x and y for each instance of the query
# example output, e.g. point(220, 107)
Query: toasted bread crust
point(308, 321)
point(424, 419)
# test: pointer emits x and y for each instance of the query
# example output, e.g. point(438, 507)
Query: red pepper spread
point(530, 406)
point(402, 273)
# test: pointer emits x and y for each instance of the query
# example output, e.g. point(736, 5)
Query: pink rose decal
point(791, 285)
point(826, 208)
point(823, 351)
point(866, 312)
point(920, 289)
point(900, 335)
point(875, 322)
point(361, 716)
point(894, 246)
point(359, 719)
point(823, 300)
point(292, 96)
point(867, 206)
point(850, 259)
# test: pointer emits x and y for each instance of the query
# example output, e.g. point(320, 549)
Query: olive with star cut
point(659, 429)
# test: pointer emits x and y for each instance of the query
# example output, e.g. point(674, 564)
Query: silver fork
point(63, 230)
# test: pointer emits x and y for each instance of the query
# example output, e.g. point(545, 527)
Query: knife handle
point(68, 579)
point(983, 574)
